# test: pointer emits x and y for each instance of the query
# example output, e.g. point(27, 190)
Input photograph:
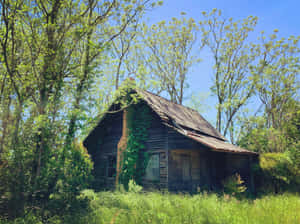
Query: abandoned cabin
point(185, 151)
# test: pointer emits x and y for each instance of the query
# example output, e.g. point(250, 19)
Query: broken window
point(152, 170)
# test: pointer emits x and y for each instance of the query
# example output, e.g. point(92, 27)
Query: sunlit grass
point(124, 208)
point(165, 208)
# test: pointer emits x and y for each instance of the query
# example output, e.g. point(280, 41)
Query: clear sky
point(283, 15)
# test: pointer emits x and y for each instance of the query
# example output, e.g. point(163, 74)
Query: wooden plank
point(167, 153)
point(163, 171)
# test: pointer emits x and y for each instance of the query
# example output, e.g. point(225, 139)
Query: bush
point(278, 172)
point(133, 187)
point(234, 185)
point(75, 176)
point(294, 155)
point(63, 174)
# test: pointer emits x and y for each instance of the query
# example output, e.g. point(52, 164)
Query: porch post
point(252, 185)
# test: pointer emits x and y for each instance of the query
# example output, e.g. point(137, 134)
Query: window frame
point(111, 166)
point(155, 171)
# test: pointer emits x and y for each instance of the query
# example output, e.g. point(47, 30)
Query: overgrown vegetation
point(278, 172)
point(135, 158)
point(50, 56)
point(62, 181)
point(234, 185)
point(61, 63)
point(116, 207)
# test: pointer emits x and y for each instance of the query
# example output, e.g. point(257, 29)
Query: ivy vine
point(135, 158)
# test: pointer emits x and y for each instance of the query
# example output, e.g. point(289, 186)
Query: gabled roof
point(181, 115)
point(187, 122)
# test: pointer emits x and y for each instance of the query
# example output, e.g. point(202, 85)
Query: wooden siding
point(156, 135)
point(207, 169)
point(197, 170)
point(163, 172)
point(108, 136)
point(241, 164)
point(156, 143)
point(179, 141)
point(110, 133)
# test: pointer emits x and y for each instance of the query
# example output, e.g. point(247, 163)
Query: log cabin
point(185, 151)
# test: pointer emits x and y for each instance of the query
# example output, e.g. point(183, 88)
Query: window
point(152, 170)
point(111, 166)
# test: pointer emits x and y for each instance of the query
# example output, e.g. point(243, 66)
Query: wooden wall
point(207, 169)
point(163, 173)
point(157, 143)
point(188, 170)
point(110, 132)
point(104, 145)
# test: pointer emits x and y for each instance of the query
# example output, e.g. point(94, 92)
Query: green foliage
point(55, 192)
point(114, 207)
point(278, 172)
point(133, 187)
point(75, 176)
point(259, 137)
point(233, 57)
point(53, 61)
point(277, 87)
point(50, 54)
point(265, 140)
point(294, 155)
point(135, 158)
point(234, 185)
point(168, 50)
point(125, 95)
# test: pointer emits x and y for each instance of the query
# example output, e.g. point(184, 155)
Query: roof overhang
point(213, 143)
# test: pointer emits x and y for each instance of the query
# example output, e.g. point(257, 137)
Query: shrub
point(234, 185)
point(294, 155)
point(133, 187)
point(278, 172)
point(74, 177)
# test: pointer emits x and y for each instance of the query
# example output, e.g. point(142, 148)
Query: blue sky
point(273, 14)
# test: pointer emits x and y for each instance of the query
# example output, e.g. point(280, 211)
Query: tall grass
point(116, 207)
point(108, 207)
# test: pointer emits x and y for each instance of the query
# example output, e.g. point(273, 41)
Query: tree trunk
point(5, 121)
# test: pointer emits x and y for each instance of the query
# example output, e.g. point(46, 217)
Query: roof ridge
point(170, 101)
point(183, 115)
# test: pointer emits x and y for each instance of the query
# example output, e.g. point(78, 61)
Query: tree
point(50, 51)
point(169, 54)
point(277, 87)
point(233, 56)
